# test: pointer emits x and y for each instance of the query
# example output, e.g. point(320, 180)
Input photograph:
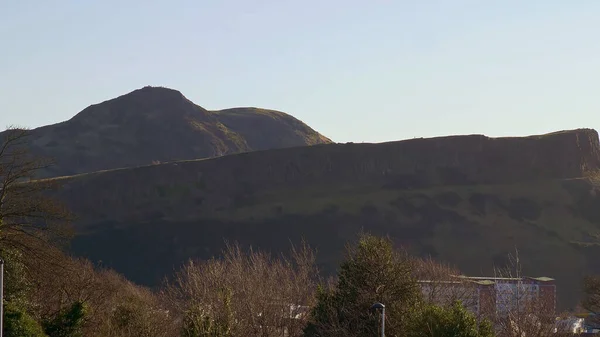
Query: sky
point(360, 71)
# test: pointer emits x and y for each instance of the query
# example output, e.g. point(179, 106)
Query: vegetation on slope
point(464, 200)
point(49, 294)
point(46, 292)
point(243, 293)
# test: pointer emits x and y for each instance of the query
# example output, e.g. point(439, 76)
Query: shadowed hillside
point(155, 124)
point(467, 200)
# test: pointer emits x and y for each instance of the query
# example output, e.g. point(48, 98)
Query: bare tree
point(135, 312)
point(32, 224)
point(591, 290)
point(244, 294)
point(115, 306)
point(441, 285)
point(26, 211)
point(521, 309)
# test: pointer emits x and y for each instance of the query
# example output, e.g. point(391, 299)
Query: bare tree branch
point(25, 208)
point(244, 294)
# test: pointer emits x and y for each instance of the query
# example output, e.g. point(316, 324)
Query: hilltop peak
point(157, 97)
point(158, 124)
point(150, 92)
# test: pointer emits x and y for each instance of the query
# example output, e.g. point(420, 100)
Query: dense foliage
point(18, 323)
point(68, 322)
point(373, 272)
point(453, 321)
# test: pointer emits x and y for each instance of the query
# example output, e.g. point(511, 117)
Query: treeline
point(241, 293)
point(252, 293)
point(244, 293)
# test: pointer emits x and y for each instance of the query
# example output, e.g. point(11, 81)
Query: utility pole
point(1, 297)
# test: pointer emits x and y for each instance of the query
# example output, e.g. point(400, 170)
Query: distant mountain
point(156, 124)
point(467, 200)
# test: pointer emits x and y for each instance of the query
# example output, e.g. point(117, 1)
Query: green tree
point(16, 282)
point(197, 323)
point(452, 321)
point(28, 219)
point(372, 272)
point(17, 323)
point(68, 322)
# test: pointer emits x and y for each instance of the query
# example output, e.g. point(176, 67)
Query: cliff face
point(420, 163)
point(156, 124)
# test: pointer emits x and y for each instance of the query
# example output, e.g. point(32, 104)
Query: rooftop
point(540, 279)
point(482, 280)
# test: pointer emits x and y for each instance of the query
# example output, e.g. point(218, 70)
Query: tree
point(441, 285)
point(198, 322)
point(113, 305)
point(452, 321)
point(26, 212)
point(28, 217)
point(372, 272)
point(137, 312)
point(17, 285)
point(244, 294)
point(520, 310)
point(17, 323)
point(591, 297)
point(591, 291)
point(71, 296)
point(68, 323)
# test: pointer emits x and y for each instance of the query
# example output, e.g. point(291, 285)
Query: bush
point(244, 294)
point(68, 322)
point(16, 283)
point(17, 323)
point(453, 321)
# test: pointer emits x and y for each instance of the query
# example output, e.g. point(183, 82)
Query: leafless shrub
point(244, 294)
point(520, 309)
point(136, 312)
point(115, 306)
point(441, 285)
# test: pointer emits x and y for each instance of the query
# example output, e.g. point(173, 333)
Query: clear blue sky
point(368, 70)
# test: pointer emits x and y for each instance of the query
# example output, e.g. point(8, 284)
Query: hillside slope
point(155, 124)
point(467, 200)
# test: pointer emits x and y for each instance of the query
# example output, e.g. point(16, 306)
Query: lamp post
point(1, 297)
point(375, 307)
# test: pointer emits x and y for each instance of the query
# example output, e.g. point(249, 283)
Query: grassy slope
point(155, 217)
point(551, 222)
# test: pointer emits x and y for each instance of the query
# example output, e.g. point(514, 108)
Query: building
point(495, 296)
point(477, 296)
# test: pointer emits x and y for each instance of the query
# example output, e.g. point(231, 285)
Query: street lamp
point(1, 296)
point(376, 306)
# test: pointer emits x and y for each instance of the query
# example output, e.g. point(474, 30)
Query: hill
point(466, 200)
point(156, 124)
